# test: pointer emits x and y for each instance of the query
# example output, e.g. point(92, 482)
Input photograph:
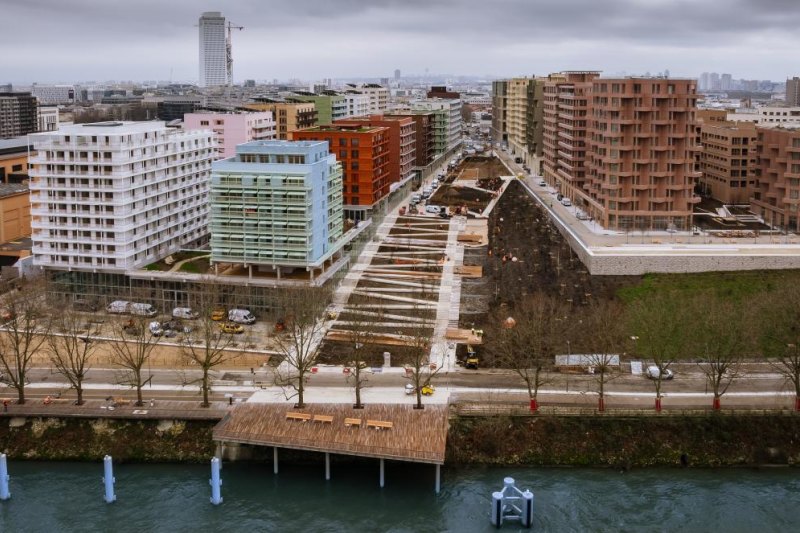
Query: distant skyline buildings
point(212, 50)
point(153, 40)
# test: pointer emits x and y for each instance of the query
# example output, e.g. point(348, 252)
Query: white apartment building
point(357, 104)
point(48, 118)
point(767, 116)
point(116, 196)
point(232, 129)
point(213, 50)
point(377, 94)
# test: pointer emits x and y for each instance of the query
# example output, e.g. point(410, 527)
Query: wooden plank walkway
point(392, 431)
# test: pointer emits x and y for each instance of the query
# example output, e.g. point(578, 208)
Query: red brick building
point(777, 194)
point(402, 145)
point(364, 154)
point(425, 149)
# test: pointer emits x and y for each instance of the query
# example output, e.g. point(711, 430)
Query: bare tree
point(722, 338)
point(24, 330)
point(779, 337)
point(416, 353)
point(207, 346)
point(132, 345)
point(658, 326)
point(527, 341)
point(361, 332)
point(604, 325)
point(304, 327)
point(71, 348)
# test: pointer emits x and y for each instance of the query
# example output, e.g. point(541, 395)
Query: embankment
point(707, 441)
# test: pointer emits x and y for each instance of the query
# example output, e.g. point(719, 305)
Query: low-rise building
point(232, 129)
point(48, 118)
point(289, 116)
point(330, 105)
point(277, 206)
point(14, 160)
point(727, 161)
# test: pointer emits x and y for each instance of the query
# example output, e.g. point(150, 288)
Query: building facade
point(15, 212)
point(47, 118)
point(14, 160)
point(232, 129)
point(767, 116)
point(534, 124)
point(447, 126)
point(424, 147)
point(364, 154)
point(289, 117)
point(499, 131)
point(377, 95)
point(213, 54)
point(277, 205)
point(777, 193)
point(727, 161)
point(402, 142)
point(793, 91)
point(54, 94)
point(357, 104)
point(18, 114)
point(640, 163)
point(115, 196)
point(330, 106)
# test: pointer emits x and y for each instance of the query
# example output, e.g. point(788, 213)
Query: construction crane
point(229, 52)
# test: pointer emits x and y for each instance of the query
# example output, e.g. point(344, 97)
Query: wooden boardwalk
point(380, 430)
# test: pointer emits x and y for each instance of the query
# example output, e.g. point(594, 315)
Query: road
point(763, 388)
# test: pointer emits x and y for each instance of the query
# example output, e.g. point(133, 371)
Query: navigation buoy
point(512, 504)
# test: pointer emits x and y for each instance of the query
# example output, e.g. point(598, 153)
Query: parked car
point(155, 328)
point(427, 390)
point(542, 183)
point(241, 316)
point(566, 202)
point(653, 372)
point(435, 209)
point(118, 307)
point(581, 215)
point(230, 327)
point(184, 312)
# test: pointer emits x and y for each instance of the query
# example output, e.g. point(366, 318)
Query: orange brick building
point(364, 154)
point(777, 194)
point(402, 148)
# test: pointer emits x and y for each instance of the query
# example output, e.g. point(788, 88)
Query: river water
point(64, 497)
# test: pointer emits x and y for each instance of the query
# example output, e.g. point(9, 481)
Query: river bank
point(707, 441)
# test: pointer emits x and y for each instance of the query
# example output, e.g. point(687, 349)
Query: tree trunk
point(658, 404)
point(419, 398)
point(534, 405)
point(79, 391)
point(601, 404)
point(205, 388)
point(139, 401)
point(797, 403)
point(358, 392)
point(300, 403)
point(21, 392)
point(717, 404)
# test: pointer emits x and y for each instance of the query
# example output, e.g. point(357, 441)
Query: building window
point(354, 154)
point(342, 141)
point(354, 142)
point(354, 189)
point(204, 123)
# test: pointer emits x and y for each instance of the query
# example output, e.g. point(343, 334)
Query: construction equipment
point(472, 359)
point(229, 52)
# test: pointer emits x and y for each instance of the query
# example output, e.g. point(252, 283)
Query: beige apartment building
point(566, 104)
point(777, 193)
point(516, 114)
point(289, 117)
point(727, 161)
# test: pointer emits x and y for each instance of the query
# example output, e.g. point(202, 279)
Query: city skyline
point(156, 41)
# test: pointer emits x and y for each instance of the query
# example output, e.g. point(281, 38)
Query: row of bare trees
point(33, 325)
point(720, 333)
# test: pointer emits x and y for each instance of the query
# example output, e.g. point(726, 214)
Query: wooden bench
point(352, 422)
point(327, 419)
point(305, 417)
point(379, 424)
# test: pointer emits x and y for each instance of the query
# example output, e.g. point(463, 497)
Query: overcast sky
point(72, 40)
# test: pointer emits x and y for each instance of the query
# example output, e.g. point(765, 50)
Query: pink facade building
point(232, 129)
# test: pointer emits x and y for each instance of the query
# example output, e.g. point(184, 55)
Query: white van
point(142, 309)
point(435, 209)
point(184, 312)
point(118, 307)
point(566, 202)
point(241, 316)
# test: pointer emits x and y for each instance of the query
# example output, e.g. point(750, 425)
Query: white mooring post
point(4, 492)
point(381, 480)
point(108, 479)
point(327, 466)
point(275, 459)
point(215, 481)
point(512, 504)
point(438, 478)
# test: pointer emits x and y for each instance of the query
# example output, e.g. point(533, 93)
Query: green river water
point(65, 497)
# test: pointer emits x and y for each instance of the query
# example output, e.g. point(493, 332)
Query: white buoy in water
point(512, 504)
point(215, 481)
point(108, 479)
point(4, 492)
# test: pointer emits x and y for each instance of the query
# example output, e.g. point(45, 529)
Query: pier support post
point(215, 481)
point(382, 469)
point(438, 478)
point(108, 479)
point(327, 466)
point(4, 492)
point(275, 459)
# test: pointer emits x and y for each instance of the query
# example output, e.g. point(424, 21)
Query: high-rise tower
point(213, 53)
